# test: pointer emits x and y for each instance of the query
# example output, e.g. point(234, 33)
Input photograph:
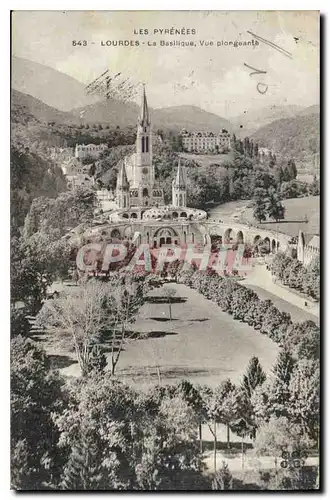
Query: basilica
point(141, 214)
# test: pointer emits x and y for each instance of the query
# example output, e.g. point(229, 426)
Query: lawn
point(297, 211)
point(207, 160)
point(201, 343)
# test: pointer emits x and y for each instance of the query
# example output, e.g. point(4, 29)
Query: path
point(262, 278)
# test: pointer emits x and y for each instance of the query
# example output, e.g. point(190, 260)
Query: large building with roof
point(89, 150)
point(205, 142)
point(308, 248)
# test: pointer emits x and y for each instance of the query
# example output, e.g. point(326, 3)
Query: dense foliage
point(298, 136)
point(293, 273)
point(36, 393)
point(245, 305)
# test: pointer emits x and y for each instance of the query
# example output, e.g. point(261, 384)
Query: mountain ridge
point(297, 137)
point(54, 88)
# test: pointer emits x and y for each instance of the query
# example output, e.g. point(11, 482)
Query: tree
point(170, 293)
point(92, 170)
point(314, 188)
point(223, 479)
point(304, 403)
point(35, 263)
point(275, 208)
point(303, 340)
point(280, 438)
point(36, 393)
point(272, 397)
point(254, 376)
point(95, 314)
point(120, 439)
point(259, 206)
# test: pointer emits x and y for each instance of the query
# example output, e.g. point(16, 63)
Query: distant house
point(89, 150)
point(205, 142)
point(79, 180)
point(77, 174)
point(308, 248)
point(59, 154)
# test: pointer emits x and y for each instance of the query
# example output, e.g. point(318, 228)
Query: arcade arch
point(240, 237)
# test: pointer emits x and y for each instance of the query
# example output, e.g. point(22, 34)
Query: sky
point(215, 78)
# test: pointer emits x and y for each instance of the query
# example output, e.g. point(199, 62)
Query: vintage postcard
point(165, 250)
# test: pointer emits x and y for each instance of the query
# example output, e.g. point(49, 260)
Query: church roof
point(314, 242)
point(144, 111)
point(122, 177)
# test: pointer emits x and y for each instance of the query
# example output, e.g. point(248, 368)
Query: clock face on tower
point(145, 171)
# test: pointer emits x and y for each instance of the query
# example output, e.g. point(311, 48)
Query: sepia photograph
point(165, 250)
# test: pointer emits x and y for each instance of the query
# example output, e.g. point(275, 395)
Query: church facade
point(136, 185)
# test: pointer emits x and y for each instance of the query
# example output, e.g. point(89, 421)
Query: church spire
point(180, 180)
point(144, 111)
point(122, 181)
point(179, 190)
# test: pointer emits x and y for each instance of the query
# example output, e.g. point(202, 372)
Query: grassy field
point(307, 177)
point(207, 160)
point(296, 211)
point(227, 211)
point(201, 343)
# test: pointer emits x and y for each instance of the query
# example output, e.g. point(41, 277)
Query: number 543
point(81, 43)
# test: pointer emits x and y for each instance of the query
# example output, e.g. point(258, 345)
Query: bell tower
point(179, 188)
point(122, 190)
point(144, 173)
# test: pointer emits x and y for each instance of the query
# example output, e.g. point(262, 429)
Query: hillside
point(292, 137)
point(251, 120)
point(311, 110)
point(110, 112)
point(300, 214)
point(188, 117)
point(25, 108)
point(48, 85)
point(113, 112)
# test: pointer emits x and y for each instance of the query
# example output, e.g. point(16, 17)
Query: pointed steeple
point(144, 111)
point(180, 180)
point(122, 181)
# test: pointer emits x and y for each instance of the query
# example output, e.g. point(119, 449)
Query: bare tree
point(170, 293)
point(94, 315)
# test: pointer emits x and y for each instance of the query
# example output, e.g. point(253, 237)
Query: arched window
point(142, 144)
point(147, 144)
point(145, 193)
point(180, 200)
